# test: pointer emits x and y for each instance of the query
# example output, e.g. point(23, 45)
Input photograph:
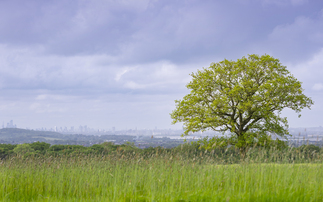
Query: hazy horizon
point(122, 64)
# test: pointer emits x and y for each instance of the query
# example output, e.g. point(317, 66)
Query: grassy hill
point(19, 136)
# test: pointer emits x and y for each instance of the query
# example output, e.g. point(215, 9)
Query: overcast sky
point(122, 63)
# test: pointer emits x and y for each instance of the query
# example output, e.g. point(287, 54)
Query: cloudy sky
point(122, 63)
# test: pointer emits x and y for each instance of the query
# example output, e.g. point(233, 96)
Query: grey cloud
point(206, 31)
point(285, 2)
point(32, 22)
point(310, 71)
point(318, 87)
point(179, 31)
point(87, 75)
point(299, 40)
point(65, 27)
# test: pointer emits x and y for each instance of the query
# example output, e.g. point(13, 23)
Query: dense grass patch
point(159, 177)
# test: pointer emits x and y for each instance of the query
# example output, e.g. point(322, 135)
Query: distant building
point(11, 125)
point(81, 128)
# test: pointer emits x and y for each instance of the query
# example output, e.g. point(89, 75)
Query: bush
point(41, 147)
point(57, 147)
point(23, 149)
point(6, 149)
point(309, 150)
point(97, 148)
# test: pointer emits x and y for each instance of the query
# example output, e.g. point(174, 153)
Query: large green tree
point(244, 97)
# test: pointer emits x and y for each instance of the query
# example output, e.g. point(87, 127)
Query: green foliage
point(110, 146)
point(6, 149)
point(214, 148)
point(58, 147)
point(250, 140)
point(23, 149)
point(214, 142)
point(40, 146)
point(309, 150)
point(130, 144)
point(97, 148)
point(244, 97)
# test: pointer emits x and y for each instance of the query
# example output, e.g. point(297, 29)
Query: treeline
point(187, 150)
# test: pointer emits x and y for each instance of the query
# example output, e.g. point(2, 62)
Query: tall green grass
point(261, 176)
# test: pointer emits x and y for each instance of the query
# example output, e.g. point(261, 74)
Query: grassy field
point(157, 178)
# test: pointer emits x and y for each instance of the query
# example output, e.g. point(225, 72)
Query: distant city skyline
point(80, 128)
point(87, 129)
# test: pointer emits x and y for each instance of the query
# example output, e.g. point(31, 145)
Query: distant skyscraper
point(11, 125)
point(85, 128)
point(113, 129)
point(81, 128)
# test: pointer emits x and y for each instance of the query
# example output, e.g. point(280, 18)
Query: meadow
point(164, 175)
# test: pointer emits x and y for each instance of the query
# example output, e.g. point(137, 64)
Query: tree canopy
point(244, 97)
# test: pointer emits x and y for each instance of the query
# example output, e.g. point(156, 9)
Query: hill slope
point(19, 136)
